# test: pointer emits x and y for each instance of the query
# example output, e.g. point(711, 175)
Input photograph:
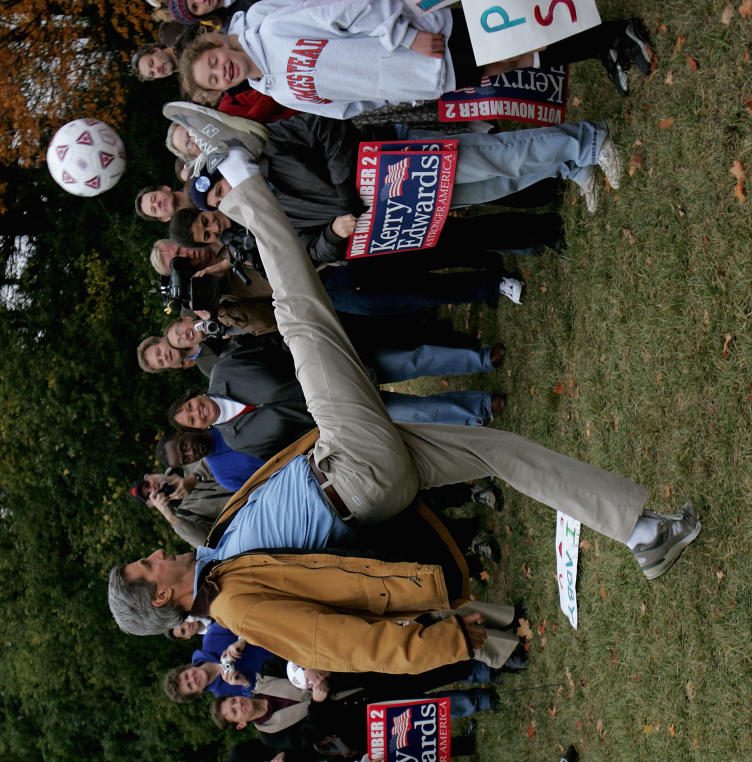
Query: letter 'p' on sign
point(502, 29)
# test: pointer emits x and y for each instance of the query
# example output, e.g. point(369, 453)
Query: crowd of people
point(325, 573)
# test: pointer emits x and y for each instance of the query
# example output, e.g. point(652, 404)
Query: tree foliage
point(78, 419)
point(59, 61)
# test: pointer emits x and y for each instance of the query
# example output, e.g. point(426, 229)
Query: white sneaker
point(610, 163)
point(591, 191)
point(512, 289)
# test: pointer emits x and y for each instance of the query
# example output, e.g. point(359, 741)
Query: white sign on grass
point(505, 29)
point(567, 553)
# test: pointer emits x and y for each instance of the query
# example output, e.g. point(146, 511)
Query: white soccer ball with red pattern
point(86, 157)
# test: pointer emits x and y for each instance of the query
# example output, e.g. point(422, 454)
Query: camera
point(181, 290)
point(210, 327)
point(227, 664)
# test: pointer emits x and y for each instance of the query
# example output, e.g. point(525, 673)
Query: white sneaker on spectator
point(512, 289)
point(610, 162)
point(591, 191)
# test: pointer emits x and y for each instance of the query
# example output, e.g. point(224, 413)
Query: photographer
point(200, 295)
point(225, 665)
point(190, 503)
point(212, 260)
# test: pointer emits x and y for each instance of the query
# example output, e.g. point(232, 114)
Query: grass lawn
point(645, 325)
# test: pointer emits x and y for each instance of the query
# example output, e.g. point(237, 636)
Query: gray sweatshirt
point(338, 58)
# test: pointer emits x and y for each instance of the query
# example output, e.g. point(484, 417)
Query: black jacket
point(310, 161)
point(260, 371)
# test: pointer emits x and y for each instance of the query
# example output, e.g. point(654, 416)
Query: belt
point(336, 501)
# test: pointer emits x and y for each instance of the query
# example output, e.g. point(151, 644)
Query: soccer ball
point(86, 157)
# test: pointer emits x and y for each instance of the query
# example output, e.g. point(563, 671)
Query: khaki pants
point(375, 465)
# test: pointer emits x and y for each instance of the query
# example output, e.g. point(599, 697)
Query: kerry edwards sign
point(410, 731)
point(535, 96)
point(407, 187)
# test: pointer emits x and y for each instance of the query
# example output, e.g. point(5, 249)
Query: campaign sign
point(500, 30)
point(534, 96)
point(410, 731)
point(567, 553)
point(407, 189)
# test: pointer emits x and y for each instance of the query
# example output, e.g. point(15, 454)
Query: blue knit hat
point(200, 188)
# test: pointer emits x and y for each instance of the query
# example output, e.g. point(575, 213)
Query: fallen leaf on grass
point(570, 683)
point(584, 545)
point(729, 339)
point(748, 104)
point(728, 14)
point(636, 161)
point(666, 124)
point(628, 235)
point(532, 391)
point(648, 730)
point(666, 491)
point(552, 712)
point(719, 575)
point(693, 64)
point(680, 40)
point(689, 689)
point(526, 571)
point(614, 656)
point(559, 388)
point(745, 9)
point(604, 594)
point(671, 731)
point(531, 729)
point(737, 170)
point(576, 101)
point(523, 629)
point(599, 727)
point(643, 609)
point(484, 576)
point(669, 78)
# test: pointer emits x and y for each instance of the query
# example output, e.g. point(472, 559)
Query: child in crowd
point(339, 58)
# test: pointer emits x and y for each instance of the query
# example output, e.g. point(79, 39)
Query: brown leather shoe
point(498, 352)
point(498, 403)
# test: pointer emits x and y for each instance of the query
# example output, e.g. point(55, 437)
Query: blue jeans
point(405, 294)
point(393, 365)
point(493, 166)
point(467, 702)
point(452, 408)
point(460, 408)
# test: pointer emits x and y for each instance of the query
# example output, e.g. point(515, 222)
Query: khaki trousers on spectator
point(375, 465)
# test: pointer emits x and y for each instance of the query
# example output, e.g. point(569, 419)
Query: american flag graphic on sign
point(396, 174)
point(402, 724)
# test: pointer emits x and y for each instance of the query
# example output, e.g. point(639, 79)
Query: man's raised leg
point(359, 447)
